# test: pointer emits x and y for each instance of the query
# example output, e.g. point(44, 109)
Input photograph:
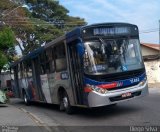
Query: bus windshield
point(105, 56)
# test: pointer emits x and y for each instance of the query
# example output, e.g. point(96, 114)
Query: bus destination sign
point(109, 31)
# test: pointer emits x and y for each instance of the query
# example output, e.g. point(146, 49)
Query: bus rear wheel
point(65, 104)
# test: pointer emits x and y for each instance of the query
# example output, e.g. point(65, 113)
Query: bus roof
point(31, 55)
point(109, 24)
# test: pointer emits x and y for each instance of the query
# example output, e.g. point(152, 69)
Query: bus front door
point(76, 73)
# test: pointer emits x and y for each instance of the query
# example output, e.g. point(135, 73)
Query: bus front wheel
point(65, 104)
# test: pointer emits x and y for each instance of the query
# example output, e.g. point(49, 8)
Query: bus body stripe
point(120, 83)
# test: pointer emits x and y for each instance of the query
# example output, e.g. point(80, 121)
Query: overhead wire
point(24, 20)
point(149, 30)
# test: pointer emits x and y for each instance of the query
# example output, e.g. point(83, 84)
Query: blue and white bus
point(91, 66)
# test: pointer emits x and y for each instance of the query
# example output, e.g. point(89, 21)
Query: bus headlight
point(100, 90)
point(143, 81)
point(90, 88)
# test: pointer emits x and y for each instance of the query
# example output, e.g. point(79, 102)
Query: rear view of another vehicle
point(3, 98)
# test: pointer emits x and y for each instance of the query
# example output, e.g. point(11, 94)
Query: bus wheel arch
point(64, 101)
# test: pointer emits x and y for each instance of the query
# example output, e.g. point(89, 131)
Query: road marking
point(38, 121)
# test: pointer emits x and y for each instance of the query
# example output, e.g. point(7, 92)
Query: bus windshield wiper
point(101, 40)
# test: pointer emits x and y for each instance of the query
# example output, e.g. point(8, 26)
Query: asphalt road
point(139, 112)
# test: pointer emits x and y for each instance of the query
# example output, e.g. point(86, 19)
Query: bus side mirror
point(80, 49)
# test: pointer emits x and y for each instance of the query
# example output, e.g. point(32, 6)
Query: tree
point(54, 13)
point(41, 22)
point(3, 60)
point(5, 6)
point(7, 40)
point(50, 20)
point(16, 17)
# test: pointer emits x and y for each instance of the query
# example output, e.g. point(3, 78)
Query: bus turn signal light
point(108, 86)
point(87, 89)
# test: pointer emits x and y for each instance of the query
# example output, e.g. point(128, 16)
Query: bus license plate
point(126, 95)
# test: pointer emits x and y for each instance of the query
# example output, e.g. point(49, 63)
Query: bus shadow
point(107, 111)
point(94, 113)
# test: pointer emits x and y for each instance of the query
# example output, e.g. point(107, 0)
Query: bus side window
point(22, 70)
point(42, 63)
point(52, 62)
point(19, 72)
point(47, 56)
point(29, 69)
point(60, 57)
point(25, 69)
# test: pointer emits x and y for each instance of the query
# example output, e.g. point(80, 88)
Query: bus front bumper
point(115, 96)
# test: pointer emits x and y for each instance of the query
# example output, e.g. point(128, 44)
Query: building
point(151, 56)
point(5, 79)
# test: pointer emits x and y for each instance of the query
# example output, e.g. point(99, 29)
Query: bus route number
point(134, 80)
point(64, 75)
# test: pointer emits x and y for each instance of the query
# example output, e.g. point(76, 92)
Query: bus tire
point(65, 104)
point(25, 99)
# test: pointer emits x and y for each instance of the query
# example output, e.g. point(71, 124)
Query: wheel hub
point(65, 102)
point(25, 99)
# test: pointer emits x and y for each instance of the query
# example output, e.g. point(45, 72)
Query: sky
point(144, 13)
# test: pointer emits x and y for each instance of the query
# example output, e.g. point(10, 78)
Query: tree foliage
point(50, 20)
point(7, 40)
point(3, 60)
point(39, 23)
point(5, 6)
